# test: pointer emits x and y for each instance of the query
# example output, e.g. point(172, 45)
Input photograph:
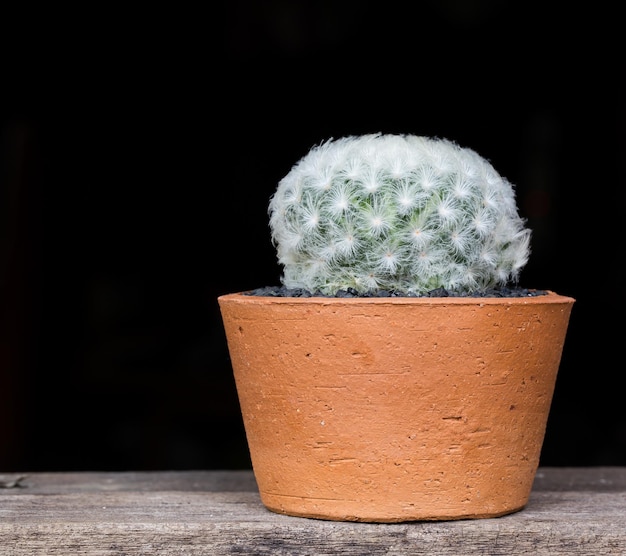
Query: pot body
point(395, 409)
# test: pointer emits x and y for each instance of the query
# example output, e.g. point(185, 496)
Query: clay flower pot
point(395, 409)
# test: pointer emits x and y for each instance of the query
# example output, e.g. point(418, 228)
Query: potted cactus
point(398, 373)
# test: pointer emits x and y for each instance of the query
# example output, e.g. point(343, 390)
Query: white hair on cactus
point(402, 212)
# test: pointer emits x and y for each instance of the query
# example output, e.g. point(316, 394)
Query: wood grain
point(571, 511)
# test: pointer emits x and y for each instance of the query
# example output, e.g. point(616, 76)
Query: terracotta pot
point(395, 409)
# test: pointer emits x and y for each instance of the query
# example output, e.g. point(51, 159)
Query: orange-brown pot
point(395, 409)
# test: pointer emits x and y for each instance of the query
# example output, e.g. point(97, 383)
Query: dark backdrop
point(139, 151)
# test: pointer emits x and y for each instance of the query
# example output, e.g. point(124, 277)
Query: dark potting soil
point(504, 291)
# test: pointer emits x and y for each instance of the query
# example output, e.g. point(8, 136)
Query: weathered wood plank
point(571, 511)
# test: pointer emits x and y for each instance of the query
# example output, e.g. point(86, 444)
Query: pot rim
point(549, 298)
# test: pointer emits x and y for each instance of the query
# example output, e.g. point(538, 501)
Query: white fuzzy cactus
point(397, 212)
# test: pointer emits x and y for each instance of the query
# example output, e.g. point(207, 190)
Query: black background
point(139, 151)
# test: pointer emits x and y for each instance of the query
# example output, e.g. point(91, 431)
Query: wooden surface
point(571, 511)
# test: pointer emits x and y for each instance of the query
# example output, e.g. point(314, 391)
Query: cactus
point(404, 213)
